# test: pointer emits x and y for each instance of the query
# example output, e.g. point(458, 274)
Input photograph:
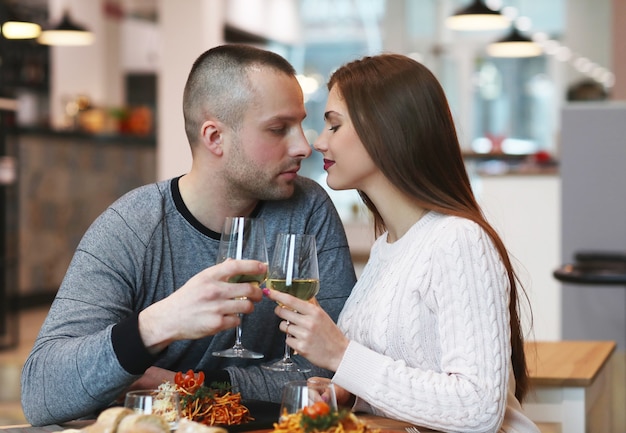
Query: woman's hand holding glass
point(310, 330)
point(293, 270)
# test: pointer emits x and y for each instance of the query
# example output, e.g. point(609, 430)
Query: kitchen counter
point(115, 139)
point(572, 385)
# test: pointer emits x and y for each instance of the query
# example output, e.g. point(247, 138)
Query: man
point(143, 298)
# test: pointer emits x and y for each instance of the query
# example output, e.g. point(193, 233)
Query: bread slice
point(143, 423)
point(187, 426)
point(110, 418)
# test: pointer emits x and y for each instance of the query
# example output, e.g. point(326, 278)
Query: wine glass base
point(286, 365)
point(238, 352)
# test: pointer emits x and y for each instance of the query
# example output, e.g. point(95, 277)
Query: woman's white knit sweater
point(429, 327)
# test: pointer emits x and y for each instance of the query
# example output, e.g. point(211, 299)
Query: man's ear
point(212, 138)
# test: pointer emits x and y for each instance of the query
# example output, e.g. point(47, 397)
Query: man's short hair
point(219, 86)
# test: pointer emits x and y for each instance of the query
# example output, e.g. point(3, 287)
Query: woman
point(431, 332)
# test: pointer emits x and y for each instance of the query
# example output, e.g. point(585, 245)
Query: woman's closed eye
point(334, 128)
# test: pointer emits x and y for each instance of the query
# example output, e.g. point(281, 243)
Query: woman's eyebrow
point(330, 113)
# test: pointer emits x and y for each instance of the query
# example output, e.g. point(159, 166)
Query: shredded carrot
point(211, 406)
point(292, 423)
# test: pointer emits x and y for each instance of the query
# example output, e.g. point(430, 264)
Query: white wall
point(143, 55)
point(277, 20)
point(589, 32)
point(525, 209)
point(188, 28)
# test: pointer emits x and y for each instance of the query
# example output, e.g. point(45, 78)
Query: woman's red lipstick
point(328, 163)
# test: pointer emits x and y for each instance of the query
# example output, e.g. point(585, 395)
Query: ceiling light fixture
point(514, 45)
point(477, 16)
point(66, 33)
point(16, 29)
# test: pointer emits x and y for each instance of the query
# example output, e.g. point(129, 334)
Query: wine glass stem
point(287, 355)
point(238, 331)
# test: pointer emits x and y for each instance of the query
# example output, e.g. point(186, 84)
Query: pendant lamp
point(66, 33)
point(14, 26)
point(477, 16)
point(17, 29)
point(514, 44)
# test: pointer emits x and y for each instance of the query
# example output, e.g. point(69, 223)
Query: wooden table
point(570, 389)
point(385, 424)
point(571, 384)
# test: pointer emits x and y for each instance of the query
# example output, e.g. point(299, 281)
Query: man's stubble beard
point(249, 180)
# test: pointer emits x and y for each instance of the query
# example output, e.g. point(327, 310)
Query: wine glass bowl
point(293, 270)
point(242, 239)
point(155, 402)
point(303, 393)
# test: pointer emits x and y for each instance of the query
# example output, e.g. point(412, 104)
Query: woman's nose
point(319, 144)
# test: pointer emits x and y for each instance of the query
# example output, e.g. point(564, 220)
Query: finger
point(251, 291)
point(326, 396)
point(238, 306)
point(254, 294)
point(287, 300)
point(228, 321)
point(223, 271)
point(228, 308)
point(286, 313)
point(287, 327)
point(284, 326)
point(314, 301)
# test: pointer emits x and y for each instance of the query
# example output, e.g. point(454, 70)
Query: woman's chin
point(337, 186)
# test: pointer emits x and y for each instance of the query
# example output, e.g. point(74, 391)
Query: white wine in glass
point(242, 239)
point(303, 289)
point(293, 270)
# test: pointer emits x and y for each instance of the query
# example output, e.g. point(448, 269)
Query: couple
point(430, 334)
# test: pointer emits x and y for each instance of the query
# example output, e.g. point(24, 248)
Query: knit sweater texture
point(428, 322)
point(140, 250)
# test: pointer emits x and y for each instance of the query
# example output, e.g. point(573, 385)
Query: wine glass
point(293, 270)
point(302, 393)
point(242, 238)
point(166, 404)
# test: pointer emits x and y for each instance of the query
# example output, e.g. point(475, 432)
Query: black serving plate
point(265, 414)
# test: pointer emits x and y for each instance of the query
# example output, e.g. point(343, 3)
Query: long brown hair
point(401, 115)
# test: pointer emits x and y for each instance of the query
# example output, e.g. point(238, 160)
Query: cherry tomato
point(322, 408)
point(310, 412)
point(189, 381)
point(318, 408)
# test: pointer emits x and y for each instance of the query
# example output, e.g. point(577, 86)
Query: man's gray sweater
point(139, 251)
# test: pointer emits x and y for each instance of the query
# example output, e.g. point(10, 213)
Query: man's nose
point(302, 148)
